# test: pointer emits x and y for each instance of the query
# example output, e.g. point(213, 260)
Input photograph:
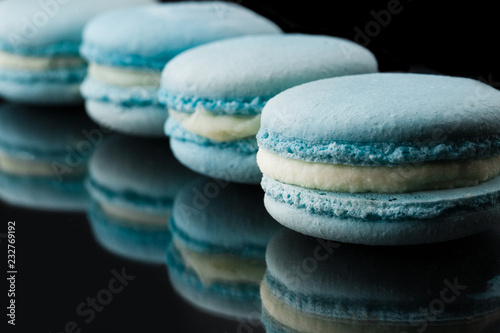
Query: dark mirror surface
point(109, 233)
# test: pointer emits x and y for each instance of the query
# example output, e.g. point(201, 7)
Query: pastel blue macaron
point(215, 260)
point(39, 48)
point(132, 183)
point(43, 157)
point(128, 48)
point(313, 285)
point(383, 158)
point(215, 94)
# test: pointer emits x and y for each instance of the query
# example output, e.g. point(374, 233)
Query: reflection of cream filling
point(124, 77)
point(15, 166)
point(222, 267)
point(346, 178)
point(313, 323)
point(222, 128)
point(13, 61)
point(135, 217)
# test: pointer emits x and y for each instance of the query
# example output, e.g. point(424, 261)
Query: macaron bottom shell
point(226, 162)
point(467, 212)
point(39, 90)
point(134, 120)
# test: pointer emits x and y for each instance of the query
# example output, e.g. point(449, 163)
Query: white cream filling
point(20, 167)
point(135, 217)
point(123, 76)
point(379, 179)
point(312, 323)
point(221, 267)
point(222, 128)
point(14, 61)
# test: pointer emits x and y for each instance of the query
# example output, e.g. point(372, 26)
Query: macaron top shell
point(35, 27)
point(251, 69)
point(151, 35)
point(383, 118)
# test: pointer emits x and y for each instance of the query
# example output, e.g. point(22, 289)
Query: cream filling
point(305, 322)
point(15, 166)
point(379, 179)
point(221, 267)
point(215, 127)
point(134, 217)
point(14, 61)
point(124, 77)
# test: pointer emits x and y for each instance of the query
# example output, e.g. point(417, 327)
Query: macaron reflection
point(313, 285)
point(132, 183)
point(43, 156)
point(215, 260)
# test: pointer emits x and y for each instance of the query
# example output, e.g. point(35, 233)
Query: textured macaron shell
point(383, 119)
point(387, 207)
point(239, 75)
point(49, 27)
point(234, 160)
point(149, 36)
point(384, 219)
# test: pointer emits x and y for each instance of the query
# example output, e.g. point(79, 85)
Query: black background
point(60, 264)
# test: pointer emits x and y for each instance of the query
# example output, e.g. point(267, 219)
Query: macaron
point(313, 285)
point(215, 259)
point(39, 48)
point(383, 158)
point(43, 157)
point(128, 48)
point(132, 183)
point(215, 94)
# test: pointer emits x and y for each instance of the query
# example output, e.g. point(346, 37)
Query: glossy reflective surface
point(148, 243)
point(95, 250)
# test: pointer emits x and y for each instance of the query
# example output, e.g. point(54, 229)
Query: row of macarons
point(343, 152)
point(132, 68)
point(223, 252)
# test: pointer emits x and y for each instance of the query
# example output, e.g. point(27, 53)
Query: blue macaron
point(132, 183)
point(383, 158)
point(39, 48)
point(215, 260)
point(128, 48)
point(313, 285)
point(215, 94)
point(43, 157)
